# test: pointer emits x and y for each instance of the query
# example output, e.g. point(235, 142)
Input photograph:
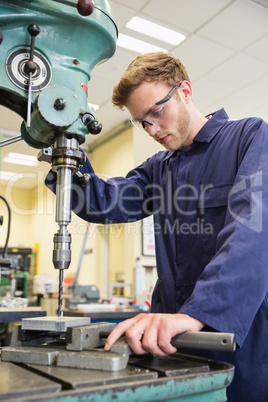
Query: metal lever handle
point(84, 7)
point(10, 141)
point(220, 341)
point(30, 68)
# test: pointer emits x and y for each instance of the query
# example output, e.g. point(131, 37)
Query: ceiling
point(225, 52)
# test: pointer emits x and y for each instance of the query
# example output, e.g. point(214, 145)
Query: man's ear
point(186, 91)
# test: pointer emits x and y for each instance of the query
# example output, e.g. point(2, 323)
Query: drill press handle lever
point(220, 341)
point(30, 68)
point(84, 7)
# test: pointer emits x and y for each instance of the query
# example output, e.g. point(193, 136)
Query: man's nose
point(152, 129)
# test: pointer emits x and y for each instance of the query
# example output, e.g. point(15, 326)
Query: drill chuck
point(62, 250)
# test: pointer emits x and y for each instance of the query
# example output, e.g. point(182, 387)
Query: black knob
point(30, 67)
point(33, 30)
point(59, 104)
point(85, 179)
point(85, 7)
point(1, 36)
point(93, 126)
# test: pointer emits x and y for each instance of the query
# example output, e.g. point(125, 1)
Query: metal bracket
point(83, 348)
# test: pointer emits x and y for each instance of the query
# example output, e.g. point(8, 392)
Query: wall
point(143, 147)
point(115, 158)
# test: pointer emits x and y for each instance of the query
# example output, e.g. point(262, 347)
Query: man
point(208, 193)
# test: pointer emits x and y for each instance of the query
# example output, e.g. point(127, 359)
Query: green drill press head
point(48, 50)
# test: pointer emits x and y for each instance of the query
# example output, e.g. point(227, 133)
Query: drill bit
point(60, 314)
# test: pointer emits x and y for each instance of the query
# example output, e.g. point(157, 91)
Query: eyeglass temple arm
point(169, 95)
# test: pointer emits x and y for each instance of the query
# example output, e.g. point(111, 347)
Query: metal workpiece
point(51, 323)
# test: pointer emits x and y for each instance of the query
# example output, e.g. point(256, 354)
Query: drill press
point(50, 48)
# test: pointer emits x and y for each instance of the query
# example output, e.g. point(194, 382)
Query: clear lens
point(138, 124)
point(155, 114)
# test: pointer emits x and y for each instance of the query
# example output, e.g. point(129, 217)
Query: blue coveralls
point(210, 206)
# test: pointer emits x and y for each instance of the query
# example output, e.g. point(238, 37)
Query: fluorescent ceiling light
point(156, 31)
point(137, 45)
point(21, 159)
point(10, 175)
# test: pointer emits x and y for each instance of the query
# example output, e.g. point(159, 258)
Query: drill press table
point(174, 378)
point(34, 369)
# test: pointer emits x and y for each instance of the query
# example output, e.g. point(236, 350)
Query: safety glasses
point(157, 112)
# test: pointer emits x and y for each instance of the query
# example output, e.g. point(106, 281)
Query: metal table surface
point(16, 314)
point(175, 378)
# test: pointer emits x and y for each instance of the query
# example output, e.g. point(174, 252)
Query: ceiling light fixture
point(10, 175)
point(21, 159)
point(155, 31)
point(139, 46)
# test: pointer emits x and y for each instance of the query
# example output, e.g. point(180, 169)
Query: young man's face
point(169, 123)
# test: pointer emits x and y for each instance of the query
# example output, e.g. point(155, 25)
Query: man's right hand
point(152, 333)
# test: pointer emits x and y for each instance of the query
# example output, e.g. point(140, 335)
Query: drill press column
point(62, 239)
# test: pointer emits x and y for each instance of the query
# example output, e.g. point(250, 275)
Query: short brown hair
point(150, 67)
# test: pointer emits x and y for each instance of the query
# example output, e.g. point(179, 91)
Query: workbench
point(174, 378)
point(15, 314)
point(109, 316)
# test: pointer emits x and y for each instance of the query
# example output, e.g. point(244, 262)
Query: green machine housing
point(65, 49)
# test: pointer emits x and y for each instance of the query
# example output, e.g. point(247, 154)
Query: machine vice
point(66, 346)
point(74, 342)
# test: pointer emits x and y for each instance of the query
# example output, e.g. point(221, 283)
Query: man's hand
point(152, 333)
